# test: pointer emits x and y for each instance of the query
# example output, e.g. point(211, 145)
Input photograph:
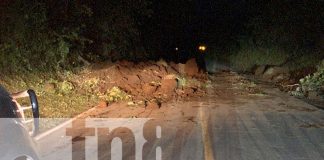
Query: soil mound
point(150, 83)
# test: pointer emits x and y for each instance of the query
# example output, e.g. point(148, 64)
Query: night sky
point(187, 23)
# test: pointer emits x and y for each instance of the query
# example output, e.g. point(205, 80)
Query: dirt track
point(237, 119)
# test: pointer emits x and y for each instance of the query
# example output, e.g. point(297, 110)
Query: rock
point(259, 70)
point(271, 72)
point(168, 86)
point(131, 103)
point(102, 104)
point(179, 68)
point(191, 67)
point(148, 89)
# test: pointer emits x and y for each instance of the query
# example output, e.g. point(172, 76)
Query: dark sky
point(186, 23)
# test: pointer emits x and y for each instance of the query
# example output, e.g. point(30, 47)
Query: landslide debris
point(144, 83)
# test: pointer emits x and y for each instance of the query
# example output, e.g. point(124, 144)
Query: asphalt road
point(237, 119)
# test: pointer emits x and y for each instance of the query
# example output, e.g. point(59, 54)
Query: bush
point(315, 81)
point(65, 88)
point(272, 35)
point(48, 36)
point(115, 94)
point(249, 56)
point(27, 41)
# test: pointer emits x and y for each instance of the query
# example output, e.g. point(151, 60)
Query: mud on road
point(236, 119)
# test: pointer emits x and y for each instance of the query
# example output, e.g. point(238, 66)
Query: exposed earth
point(143, 84)
point(236, 119)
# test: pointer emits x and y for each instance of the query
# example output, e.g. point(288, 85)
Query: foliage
point(52, 35)
point(182, 81)
point(65, 87)
point(279, 32)
point(288, 25)
point(115, 94)
point(91, 85)
point(315, 81)
point(52, 103)
point(248, 56)
point(117, 30)
point(305, 60)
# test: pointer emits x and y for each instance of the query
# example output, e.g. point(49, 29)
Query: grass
point(64, 101)
point(247, 58)
point(184, 82)
point(305, 60)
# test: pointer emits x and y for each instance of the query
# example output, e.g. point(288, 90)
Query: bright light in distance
point(202, 48)
point(176, 48)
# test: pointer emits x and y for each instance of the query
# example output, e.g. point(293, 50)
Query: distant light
point(176, 48)
point(202, 48)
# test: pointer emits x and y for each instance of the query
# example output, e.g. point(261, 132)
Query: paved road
point(238, 119)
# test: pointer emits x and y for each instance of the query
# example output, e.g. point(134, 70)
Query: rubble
point(152, 82)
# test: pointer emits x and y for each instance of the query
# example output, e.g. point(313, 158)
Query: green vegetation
point(54, 35)
point(58, 96)
point(247, 57)
point(279, 33)
point(91, 85)
point(315, 81)
point(184, 82)
point(115, 94)
point(44, 43)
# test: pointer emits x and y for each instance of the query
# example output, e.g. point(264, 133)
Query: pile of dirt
point(150, 83)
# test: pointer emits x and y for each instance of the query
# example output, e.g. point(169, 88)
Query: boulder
point(168, 86)
point(271, 72)
point(191, 67)
point(178, 68)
